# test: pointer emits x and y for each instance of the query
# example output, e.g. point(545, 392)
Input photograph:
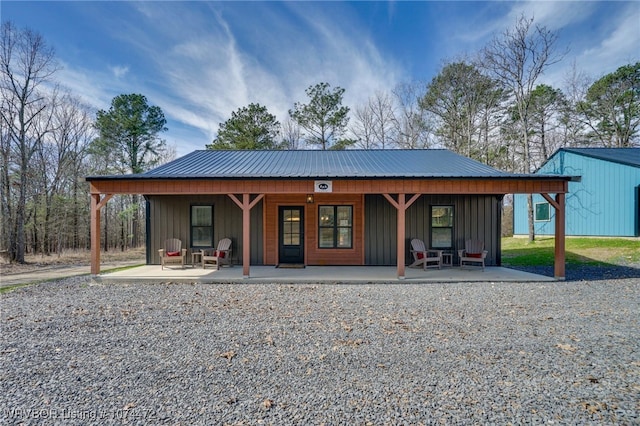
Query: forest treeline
point(491, 106)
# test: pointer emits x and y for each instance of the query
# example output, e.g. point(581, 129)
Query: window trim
point(451, 228)
point(191, 226)
point(535, 212)
point(336, 227)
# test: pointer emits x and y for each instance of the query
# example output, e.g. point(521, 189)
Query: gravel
point(73, 352)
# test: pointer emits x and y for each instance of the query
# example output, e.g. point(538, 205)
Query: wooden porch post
point(246, 205)
point(560, 250)
point(96, 205)
point(95, 234)
point(559, 265)
point(401, 205)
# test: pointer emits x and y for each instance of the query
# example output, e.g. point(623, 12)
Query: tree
point(324, 117)
point(612, 107)
point(546, 105)
point(575, 87)
point(461, 98)
point(362, 127)
point(251, 127)
point(61, 161)
point(130, 131)
point(517, 58)
point(375, 123)
point(27, 64)
point(413, 131)
point(291, 134)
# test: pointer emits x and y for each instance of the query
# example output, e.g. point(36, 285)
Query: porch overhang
point(400, 192)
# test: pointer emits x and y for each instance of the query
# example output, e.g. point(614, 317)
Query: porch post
point(400, 231)
point(560, 252)
point(401, 205)
point(246, 205)
point(559, 265)
point(95, 234)
point(246, 236)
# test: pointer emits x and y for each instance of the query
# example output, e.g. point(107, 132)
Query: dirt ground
point(69, 258)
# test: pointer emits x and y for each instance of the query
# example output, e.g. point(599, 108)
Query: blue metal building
point(604, 203)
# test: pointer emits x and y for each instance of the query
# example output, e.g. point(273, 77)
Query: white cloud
point(620, 46)
point(210, 69)
point(119, 71)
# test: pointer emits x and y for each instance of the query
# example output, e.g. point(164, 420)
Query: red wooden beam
point(246, 205)
point(560, 260)
point(401, 206)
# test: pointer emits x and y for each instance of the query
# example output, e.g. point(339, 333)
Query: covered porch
point(259, 183)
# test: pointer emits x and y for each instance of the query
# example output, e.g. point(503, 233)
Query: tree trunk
point(532, 230)
point(135, 221)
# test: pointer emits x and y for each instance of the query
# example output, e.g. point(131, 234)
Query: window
point(202, 226)
point(442, 227)
point(541, 212)
point(335, 226)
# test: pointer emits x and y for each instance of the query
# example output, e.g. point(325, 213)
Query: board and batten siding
point(168, 217)
point(605, 203)
point(475, 217)
point(313, 254)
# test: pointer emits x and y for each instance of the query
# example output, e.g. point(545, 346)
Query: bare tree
point(362, 127)
point(576, 84)
point(384, 119)
point(413, 130)
point(63, 157)
point(517, 58)
point(27, 64)
point(291, 134)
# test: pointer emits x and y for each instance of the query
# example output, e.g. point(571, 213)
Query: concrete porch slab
point(317, 274)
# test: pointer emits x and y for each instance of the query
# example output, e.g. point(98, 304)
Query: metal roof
point(627, 156)
point(316, 164)
point(323, 164)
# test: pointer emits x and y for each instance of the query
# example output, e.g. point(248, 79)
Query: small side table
point(196, 255)
point(447, 258)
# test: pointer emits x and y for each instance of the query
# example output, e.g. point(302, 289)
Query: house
point(604, 203)
point(352, 207)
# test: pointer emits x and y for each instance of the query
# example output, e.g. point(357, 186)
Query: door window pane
point(291, 227)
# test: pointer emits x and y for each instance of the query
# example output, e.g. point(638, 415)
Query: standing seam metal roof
point(424, 163)
point(627, 156)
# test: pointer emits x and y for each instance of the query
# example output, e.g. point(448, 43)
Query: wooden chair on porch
point(172, 253)
point(423, 256)
point(219, 255)
point(473, 252)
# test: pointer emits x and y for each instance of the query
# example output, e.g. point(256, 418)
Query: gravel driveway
point(180, 354)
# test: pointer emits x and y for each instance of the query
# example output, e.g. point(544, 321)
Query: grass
point(579, 251)
point(7, 289)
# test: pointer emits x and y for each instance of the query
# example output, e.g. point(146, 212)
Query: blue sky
point(199, 61)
